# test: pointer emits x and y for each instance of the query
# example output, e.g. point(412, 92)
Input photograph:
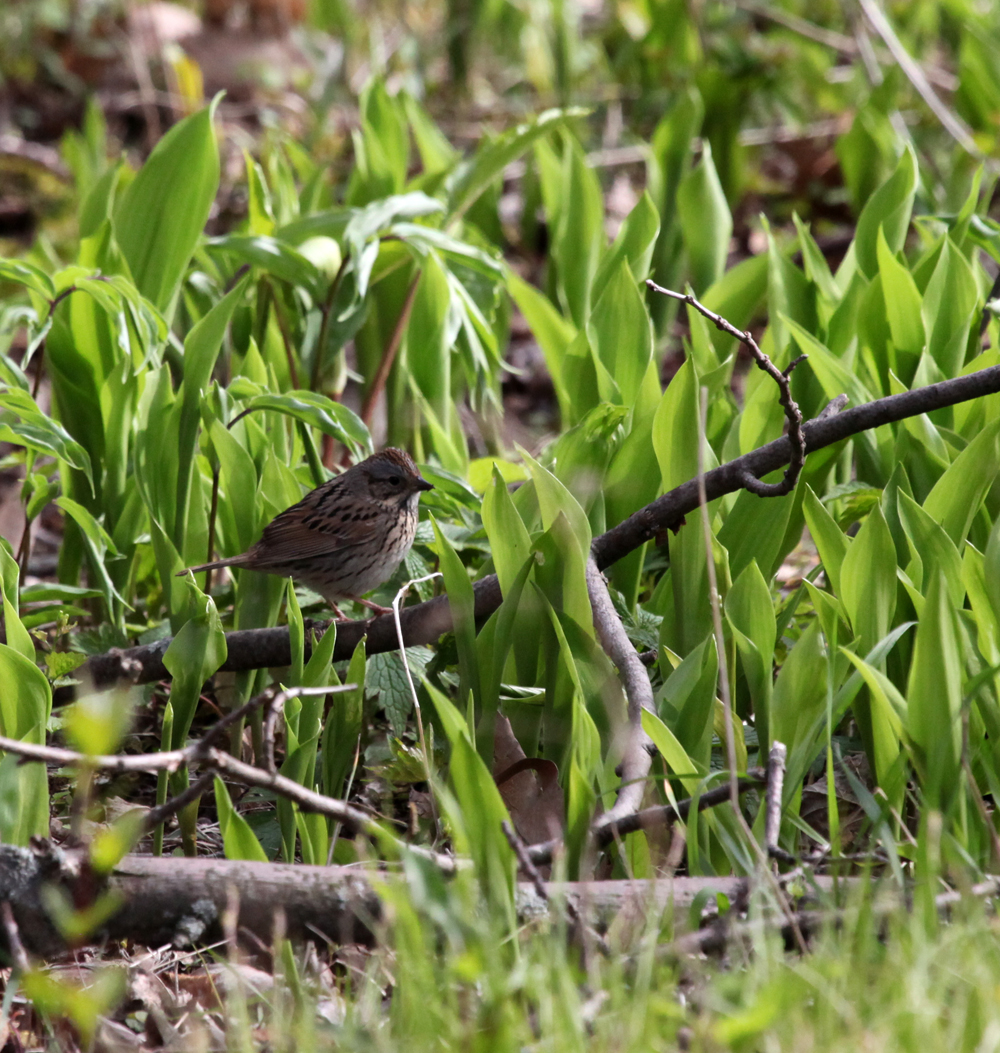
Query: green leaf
point(194, 654)
point(959, 493)
point(706, 222)
point(28, 275)
point(510, 543)
point(462, 603)
point(676, 757)
point(23, 424)
point(17, 636)
point(26, 698)
point(621, 334)
point(387, 676)
point(949, 308)
point(868, 580)
point(238, 840)
point(888, 716)
point(634, 244)
point(887, 209)
point(274, 257)
point(553, 332)
point(902, 300)
point(750, 611)
point(579, 234)
point(318, 411)
point(799, 692)
point(829, 538)
point(482, 808)
point(344, 725)
point(932, 549)
point(201, 349)
point(162, 213)
point(934, 692)
point(675, 429)
point(472, 177)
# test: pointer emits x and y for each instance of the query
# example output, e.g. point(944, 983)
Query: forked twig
point(781, 377)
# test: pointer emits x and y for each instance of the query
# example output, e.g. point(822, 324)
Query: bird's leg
point(376, 607)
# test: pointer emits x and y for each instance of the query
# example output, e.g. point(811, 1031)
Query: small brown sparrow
point(346, 537)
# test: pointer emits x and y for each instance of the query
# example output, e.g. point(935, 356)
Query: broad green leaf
point(829, 538)
point(949, 308)
point(161, 214)
point(555, 500)
point(201, 349)
point(320, 412)
point(579, 234)
point(932, 549)
point(868, 580)
point(18, 638)
point(799, 692)
point(959, 493)
point(676, 757)
point(750, 611)
point(553, 332)
point(902, 300)
point(634, 244)
point(889, 714)
point(482, 808)
point(344, 725)
point(621, 334)
point(675, 430)
point(462, 603)
point(273, 257)
point(755, 528)
point(25, 704)
point(510, 543)
point(887, 209)
point(26, 698)
point(934, 691)
point(23, 424)
point(472, 177)
point(238, 840)
point(27, 274)
point(194, 654)
point(706, 222)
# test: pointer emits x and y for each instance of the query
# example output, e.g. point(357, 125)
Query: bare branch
point(648, 819)
point(424, 623)
point(637, 754)
point(792, 412)
point(775, 786)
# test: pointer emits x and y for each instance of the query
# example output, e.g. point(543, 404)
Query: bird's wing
point(308, 533)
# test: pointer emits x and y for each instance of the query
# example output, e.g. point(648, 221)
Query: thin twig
point(162, 812)
point(648, 819)
point(531, 871)
point(781, 377)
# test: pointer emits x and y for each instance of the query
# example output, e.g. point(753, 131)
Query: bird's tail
point(232, 561)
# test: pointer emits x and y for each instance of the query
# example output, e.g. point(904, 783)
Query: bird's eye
point(395, 480)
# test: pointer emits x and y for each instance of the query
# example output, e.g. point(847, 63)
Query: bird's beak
point(422, 484)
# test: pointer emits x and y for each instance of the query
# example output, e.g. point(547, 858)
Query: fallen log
point(166, 900)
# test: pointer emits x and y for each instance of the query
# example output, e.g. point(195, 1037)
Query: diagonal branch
point(426, 622)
